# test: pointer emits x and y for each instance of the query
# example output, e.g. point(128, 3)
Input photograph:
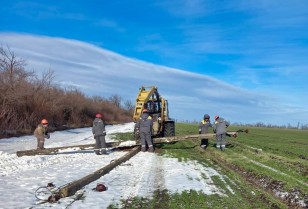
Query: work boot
point(143, 148)
point(151, 149)
point(97, 152)
point(103, 151)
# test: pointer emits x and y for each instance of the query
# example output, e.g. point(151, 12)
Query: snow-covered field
point(140, 176)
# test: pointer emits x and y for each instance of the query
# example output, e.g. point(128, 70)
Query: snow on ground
point(140, 176)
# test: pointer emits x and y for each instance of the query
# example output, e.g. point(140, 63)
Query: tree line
point(26, 98)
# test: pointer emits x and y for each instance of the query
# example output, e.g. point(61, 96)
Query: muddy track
point(159, 183)
point(265, 183)
point(295, 165)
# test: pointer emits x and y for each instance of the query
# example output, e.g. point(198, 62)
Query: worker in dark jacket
point(99, 133)
point(204, 129)
point(41, 132)
point(144, 125)
point(220, 128)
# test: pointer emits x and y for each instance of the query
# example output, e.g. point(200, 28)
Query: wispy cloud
point(100, 72)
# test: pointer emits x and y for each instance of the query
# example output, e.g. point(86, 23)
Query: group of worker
point(144, 128)
point(220, 129)
point(145, 124)
point(98, 130)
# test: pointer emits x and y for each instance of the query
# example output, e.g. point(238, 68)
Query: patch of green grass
point(290, 143)
point(283, 158)
point(185, 129)
point(123, 136)
point(187, 200)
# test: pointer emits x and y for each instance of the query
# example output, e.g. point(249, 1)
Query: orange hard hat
point(98, 115)
point(216, 116)
point(44, 121)
point(145, 110)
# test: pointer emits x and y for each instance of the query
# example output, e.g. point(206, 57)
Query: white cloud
point(103, 73)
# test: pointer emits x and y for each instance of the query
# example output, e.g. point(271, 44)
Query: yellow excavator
point(149, 98)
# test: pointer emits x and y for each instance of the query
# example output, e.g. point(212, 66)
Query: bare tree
point(12, 68)
point(128, 105)
point(26, 98)
point(115, 100)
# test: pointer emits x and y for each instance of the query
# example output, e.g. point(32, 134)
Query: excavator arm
point(149, 98)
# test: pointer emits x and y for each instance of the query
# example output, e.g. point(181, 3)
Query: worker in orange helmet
point(220, 128)
point(41, 132)
point(144, 126)
point(99, 133)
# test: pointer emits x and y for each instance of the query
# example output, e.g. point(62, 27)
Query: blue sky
point(257, 47)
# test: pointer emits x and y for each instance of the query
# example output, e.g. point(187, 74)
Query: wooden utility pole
point(71, 188)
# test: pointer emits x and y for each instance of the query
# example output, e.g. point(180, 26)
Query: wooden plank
point(74, 186)
point(54, 150)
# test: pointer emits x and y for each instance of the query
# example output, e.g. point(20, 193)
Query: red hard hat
point(98, 115)
point(216, 116)
point(44, 121)
point(100, 187)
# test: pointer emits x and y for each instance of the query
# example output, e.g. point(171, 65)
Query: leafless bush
point(25, 99)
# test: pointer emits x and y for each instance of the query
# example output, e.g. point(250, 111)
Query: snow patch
point(139, 176)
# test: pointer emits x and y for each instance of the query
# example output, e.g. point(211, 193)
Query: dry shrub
point(25, 99)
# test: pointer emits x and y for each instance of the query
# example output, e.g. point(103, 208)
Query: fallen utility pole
point(116, 145)
point(71, 188)
point(187, 137)
point(54, 150)
point(172, 139)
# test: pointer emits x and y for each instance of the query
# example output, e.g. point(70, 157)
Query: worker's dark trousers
point(99, 143)
point(220, 140)
point(204, 142)
point(146, 138)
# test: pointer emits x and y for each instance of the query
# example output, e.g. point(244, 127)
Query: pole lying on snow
point(171, 139)
point(116, 145)
point(71, 188)
point(54, 150)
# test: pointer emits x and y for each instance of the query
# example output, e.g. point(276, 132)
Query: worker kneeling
point(144, 125)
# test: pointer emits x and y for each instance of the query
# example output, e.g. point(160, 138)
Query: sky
point(20, 177)
point(243, 60)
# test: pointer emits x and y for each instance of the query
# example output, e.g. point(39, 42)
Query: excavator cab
point(149, 98)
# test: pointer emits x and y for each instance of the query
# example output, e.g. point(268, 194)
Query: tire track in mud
point(265, 183)
point(151, 176)
point(159, 179)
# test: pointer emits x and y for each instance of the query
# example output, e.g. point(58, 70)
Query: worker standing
point(220, 128)
point(99, 133)
point(41, 132)
point(144, 125)
point(204, 129)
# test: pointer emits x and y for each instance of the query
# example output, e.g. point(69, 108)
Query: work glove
point(47, 136)
point(104, 133)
